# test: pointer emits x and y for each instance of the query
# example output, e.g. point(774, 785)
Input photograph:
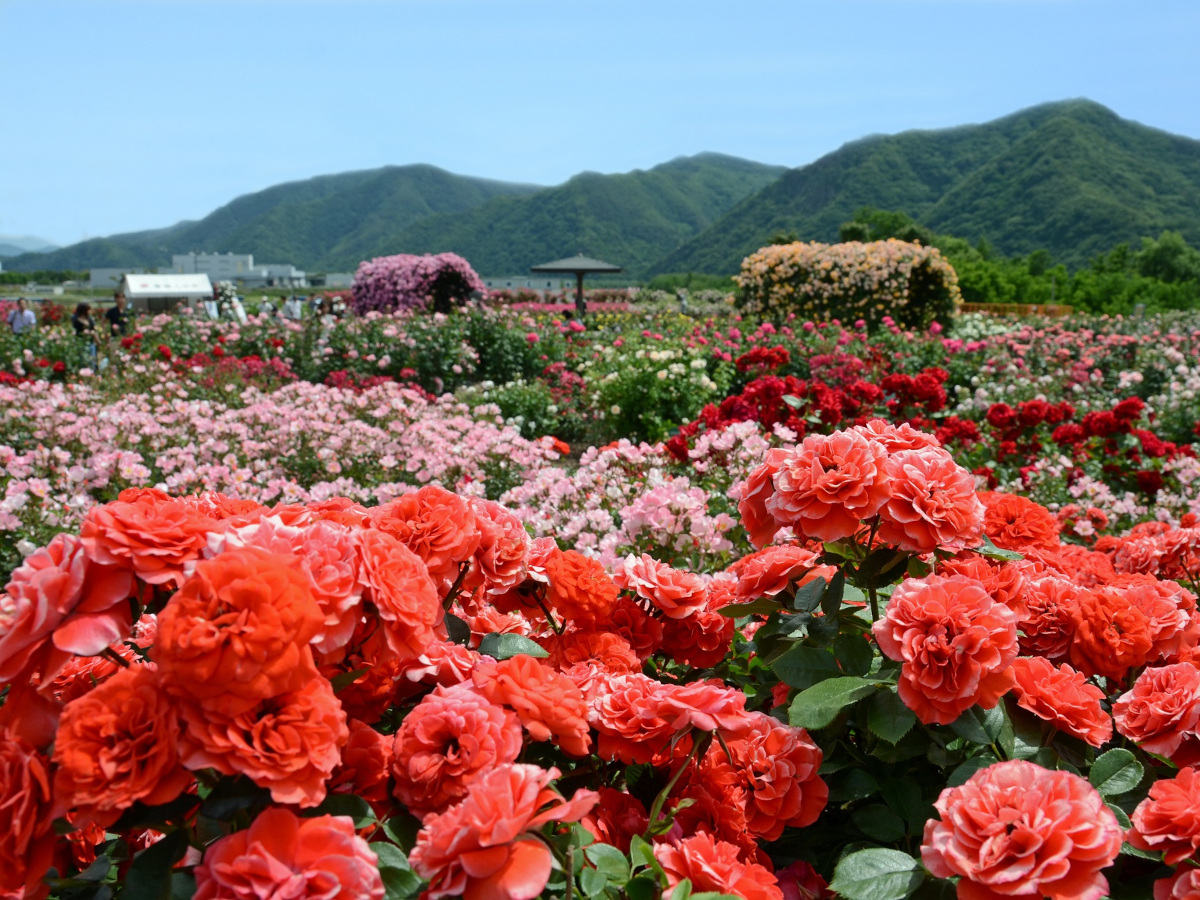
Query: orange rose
point(499, 561)
point(1048, 624)
point(1112, 635)
point(26, 820)
point(713, 865)
point(642, 631)
point(772, 570)
point(828, 485)
point(451, 738)
point(1162, 712)
point(955, 643)
point(474, 849)
point(579, 588)
point(1017, 830)
point(548, 704)
point(702, 640)
point(758, 487)
point(116, 745)
point(366, 768)
point(399, 586)
point(616, 818)
point(1063, 698)
point(281, 855)
point(1017, 523)
point(1002, 580)
point(589, 657)
point(59, 603)
point(676, 593)
point(1168, 821)
point(238, 632)
point(149, 532)
point(436, 525)
point(932, 503)
point(289, 744)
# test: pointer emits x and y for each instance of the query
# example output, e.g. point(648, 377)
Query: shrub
point(911, 283)
point(414, 282)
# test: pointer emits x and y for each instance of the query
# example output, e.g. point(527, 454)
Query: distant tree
point(1168, 259)
point(1039, 262)
point(783, 237)
point(871, 224)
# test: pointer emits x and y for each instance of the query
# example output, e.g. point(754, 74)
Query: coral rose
point(475, 850)
point(1051, 610)
point(1113, 635)
point(149, 532)
point(118, 744)
point(713, 865)
point(773, 768)
point(1162, 712)
point(1063, 698)
point(758, 487)
point(1183, 885)
point(404, 595)
point(26, 818)
point(773, 570)
point(579, 589)
point(281, 855)
point(676, 593)
point(1168, 821)
point(499, 560)
point(451, 738)
point(642, 631)
point(366, 767)
point(616, 818)
point(702, 640)
point(1004, 581)
point(549, 705)
point(1016, 830)
point(238, 632)
point(896, 438)
point(955, 643)
point(632, 723)
point(932, 504)
point(1017, 523)
point(288, 744)
point(58, 603)
point(828, 485)
point(436, 525)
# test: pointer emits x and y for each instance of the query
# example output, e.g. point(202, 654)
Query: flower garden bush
point(909, 282)
point(437, 282)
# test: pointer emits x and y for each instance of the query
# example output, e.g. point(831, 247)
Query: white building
point(239, 269)
point(161, 293)
point(537, 283)
point(109, 278)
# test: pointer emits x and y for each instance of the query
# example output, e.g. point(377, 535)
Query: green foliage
point(690, 281)
point(876, 874)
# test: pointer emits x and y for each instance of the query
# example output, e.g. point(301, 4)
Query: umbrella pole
point(579, 306)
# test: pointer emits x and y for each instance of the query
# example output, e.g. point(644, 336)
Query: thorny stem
point(697, 748)
point(452, 594)
point(111, 654)
point(558, 629)
point(570, 872)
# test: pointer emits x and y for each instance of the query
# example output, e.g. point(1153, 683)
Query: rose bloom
point(713, 865)
point(828, 485)
point(1048, 625)
point(702, 806)
point(1168, 607)
point(633, 726)
point(955, 643)
point(1063, 698)
point(289, 744)
point(1168, 821)
point(676, 593)
point(1017, 523)
point(472, 850)
point(758, 487)
point(1005, 582)
point(1016, 830)
point(1183, 885)
point(442, 663)
point(642, 631)
point(118, 744)
point(59, 603)
point(402, 591)
point(616, 818)
point(26, 818)
point(281, 855)
point(549, 705)
point(148, 532)
point(772, 570)
point(238, 632)
point(1112, 634)
point(579, 588)
point(499, 560)
point(932, 504)
point(436, 525)
point(365, 768)
point(800, 881)
point(451, 738)
point(1161, 712)
point(896, 438)
point(702, 640)
point(774, 768)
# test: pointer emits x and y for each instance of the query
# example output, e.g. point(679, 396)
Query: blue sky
point(120, 116)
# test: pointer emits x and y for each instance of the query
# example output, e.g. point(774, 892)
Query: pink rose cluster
point(406, 281)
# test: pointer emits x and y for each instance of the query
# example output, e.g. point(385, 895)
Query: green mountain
point(632, 219)
point(333, 222)
point(1071, 178)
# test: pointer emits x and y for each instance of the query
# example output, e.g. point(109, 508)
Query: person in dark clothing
point(117, 317)
point(85, 328)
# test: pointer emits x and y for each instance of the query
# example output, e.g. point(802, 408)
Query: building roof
point(576, 264)
point(167, 286)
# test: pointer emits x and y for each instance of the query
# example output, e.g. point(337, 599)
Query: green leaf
point(610, 861)
point(882, 567)
point(851, 784)
point(641, 853)
point(506, 646)
point(1122, 816)
point(801, 667)
point(149, 876)
point(888, 717)
point(821, 703)
point(350, 805)
point(876, 874)
point(345, 679)
point(644, 887)
point(853, 653)
point(1115, 772)
point(793, 401)
point(808, 597)
point(232, 795)
point(979, 725)
point(183, 885)
point(969, 768)
point(831, 603)
point(1127, 849)
point(763, 606)
point(402, 830)
point(879, 823)
point(458, 630)
point(400, 884)
point(98, 870)
point(990, 550)
point(390, 856)
point(593, 882)
point(682, 891)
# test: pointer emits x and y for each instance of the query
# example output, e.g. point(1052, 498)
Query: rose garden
point(821, 589)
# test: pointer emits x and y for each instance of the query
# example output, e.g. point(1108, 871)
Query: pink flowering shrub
point(406, 281)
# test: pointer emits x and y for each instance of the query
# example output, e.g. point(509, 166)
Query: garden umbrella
point(578, 266)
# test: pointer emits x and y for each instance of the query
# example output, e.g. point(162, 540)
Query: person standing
point(85, 329)
point(22, 320)
point(116, 316)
